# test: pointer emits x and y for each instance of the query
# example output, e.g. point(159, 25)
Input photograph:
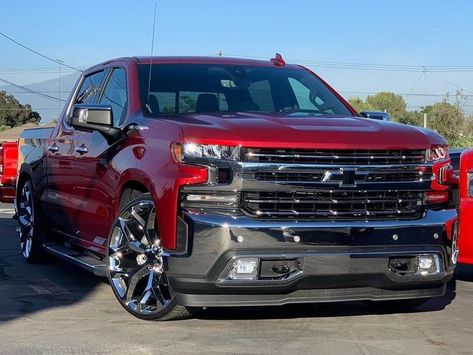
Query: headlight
point(191, 151)
point(437, 153)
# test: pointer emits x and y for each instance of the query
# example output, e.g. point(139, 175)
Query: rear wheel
point(29, 230)
point(135, 264)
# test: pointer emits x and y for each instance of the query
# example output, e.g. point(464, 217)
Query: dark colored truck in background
point(194, 182)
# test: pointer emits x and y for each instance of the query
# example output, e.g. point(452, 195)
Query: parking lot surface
point(58, 308)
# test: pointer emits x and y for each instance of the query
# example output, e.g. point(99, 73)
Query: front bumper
point(341, 260)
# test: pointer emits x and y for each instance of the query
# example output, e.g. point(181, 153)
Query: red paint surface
point(9, 161)
point(466, 210)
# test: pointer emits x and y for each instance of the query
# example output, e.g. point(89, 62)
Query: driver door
point(61, 200)
point(96, 176)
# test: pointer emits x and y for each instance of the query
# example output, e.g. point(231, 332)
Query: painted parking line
point(7, 210)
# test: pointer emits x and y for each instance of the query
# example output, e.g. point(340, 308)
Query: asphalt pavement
point(59, 309)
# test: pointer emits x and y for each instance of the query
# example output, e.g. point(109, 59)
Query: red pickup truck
point(193, 182)
point(8, 170)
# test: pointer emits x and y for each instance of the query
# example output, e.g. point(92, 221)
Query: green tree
point(12, 113)
point(447, 120)
point(413, 118)
point(360, 105)
point(388, 102)
point(186, 104)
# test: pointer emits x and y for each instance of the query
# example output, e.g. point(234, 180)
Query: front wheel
point(135, 264)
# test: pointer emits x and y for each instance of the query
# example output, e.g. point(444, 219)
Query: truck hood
point(301, 131)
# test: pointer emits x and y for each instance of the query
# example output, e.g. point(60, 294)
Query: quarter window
point(90, 88)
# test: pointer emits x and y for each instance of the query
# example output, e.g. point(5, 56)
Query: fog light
point(244, 269)
point(428, 264)
point(425, 262)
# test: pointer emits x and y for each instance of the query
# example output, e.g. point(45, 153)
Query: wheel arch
point(24, 174)
point(127, 190)
point(131, 180)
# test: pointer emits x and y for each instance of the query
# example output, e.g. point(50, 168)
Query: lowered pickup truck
point(193, 182)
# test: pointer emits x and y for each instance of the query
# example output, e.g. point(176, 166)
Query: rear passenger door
point(61, 198)
point(96, 177)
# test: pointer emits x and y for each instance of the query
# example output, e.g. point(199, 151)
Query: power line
point(32, 91)
point(34, 69)
point(40, 91)
point(21, 109)
point(449, 82)
point(417, 82)
point(38, 53)
point(372, 66)
point(30, 72)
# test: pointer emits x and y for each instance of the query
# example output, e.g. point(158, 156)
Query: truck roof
point(194, 60)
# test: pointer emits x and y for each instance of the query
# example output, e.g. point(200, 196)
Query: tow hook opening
point(425, 264)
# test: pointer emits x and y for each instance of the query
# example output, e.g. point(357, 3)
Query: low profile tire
point(135, 264)
point(29, 229)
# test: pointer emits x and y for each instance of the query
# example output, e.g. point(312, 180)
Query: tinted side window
point(115, 95)
point(90, 88)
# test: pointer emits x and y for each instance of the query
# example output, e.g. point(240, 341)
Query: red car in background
point(8, 170)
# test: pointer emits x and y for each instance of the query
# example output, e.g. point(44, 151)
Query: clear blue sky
point(401, 32)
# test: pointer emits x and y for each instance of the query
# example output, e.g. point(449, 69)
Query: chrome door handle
point(82, 149)
point(53, 148)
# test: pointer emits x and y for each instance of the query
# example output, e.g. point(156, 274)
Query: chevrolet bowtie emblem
point(348, 177)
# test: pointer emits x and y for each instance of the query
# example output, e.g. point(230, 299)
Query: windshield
point(215, 88)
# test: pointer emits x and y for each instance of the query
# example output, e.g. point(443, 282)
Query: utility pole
point(425, 120)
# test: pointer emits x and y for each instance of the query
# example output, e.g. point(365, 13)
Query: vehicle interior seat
point(206, 103)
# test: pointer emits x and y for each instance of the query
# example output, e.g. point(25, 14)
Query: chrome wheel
point(135, 261)
point(26, 219)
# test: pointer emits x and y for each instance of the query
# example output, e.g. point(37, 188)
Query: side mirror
point(86, 117)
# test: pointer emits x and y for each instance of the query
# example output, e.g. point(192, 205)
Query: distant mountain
point(46, 107)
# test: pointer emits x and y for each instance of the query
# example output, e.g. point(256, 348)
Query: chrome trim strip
point(432, 218)
point(251, 166)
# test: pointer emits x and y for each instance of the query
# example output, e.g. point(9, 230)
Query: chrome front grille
point(333, 204)
point(334, 184)
point(334, 157)
point(331, 176)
